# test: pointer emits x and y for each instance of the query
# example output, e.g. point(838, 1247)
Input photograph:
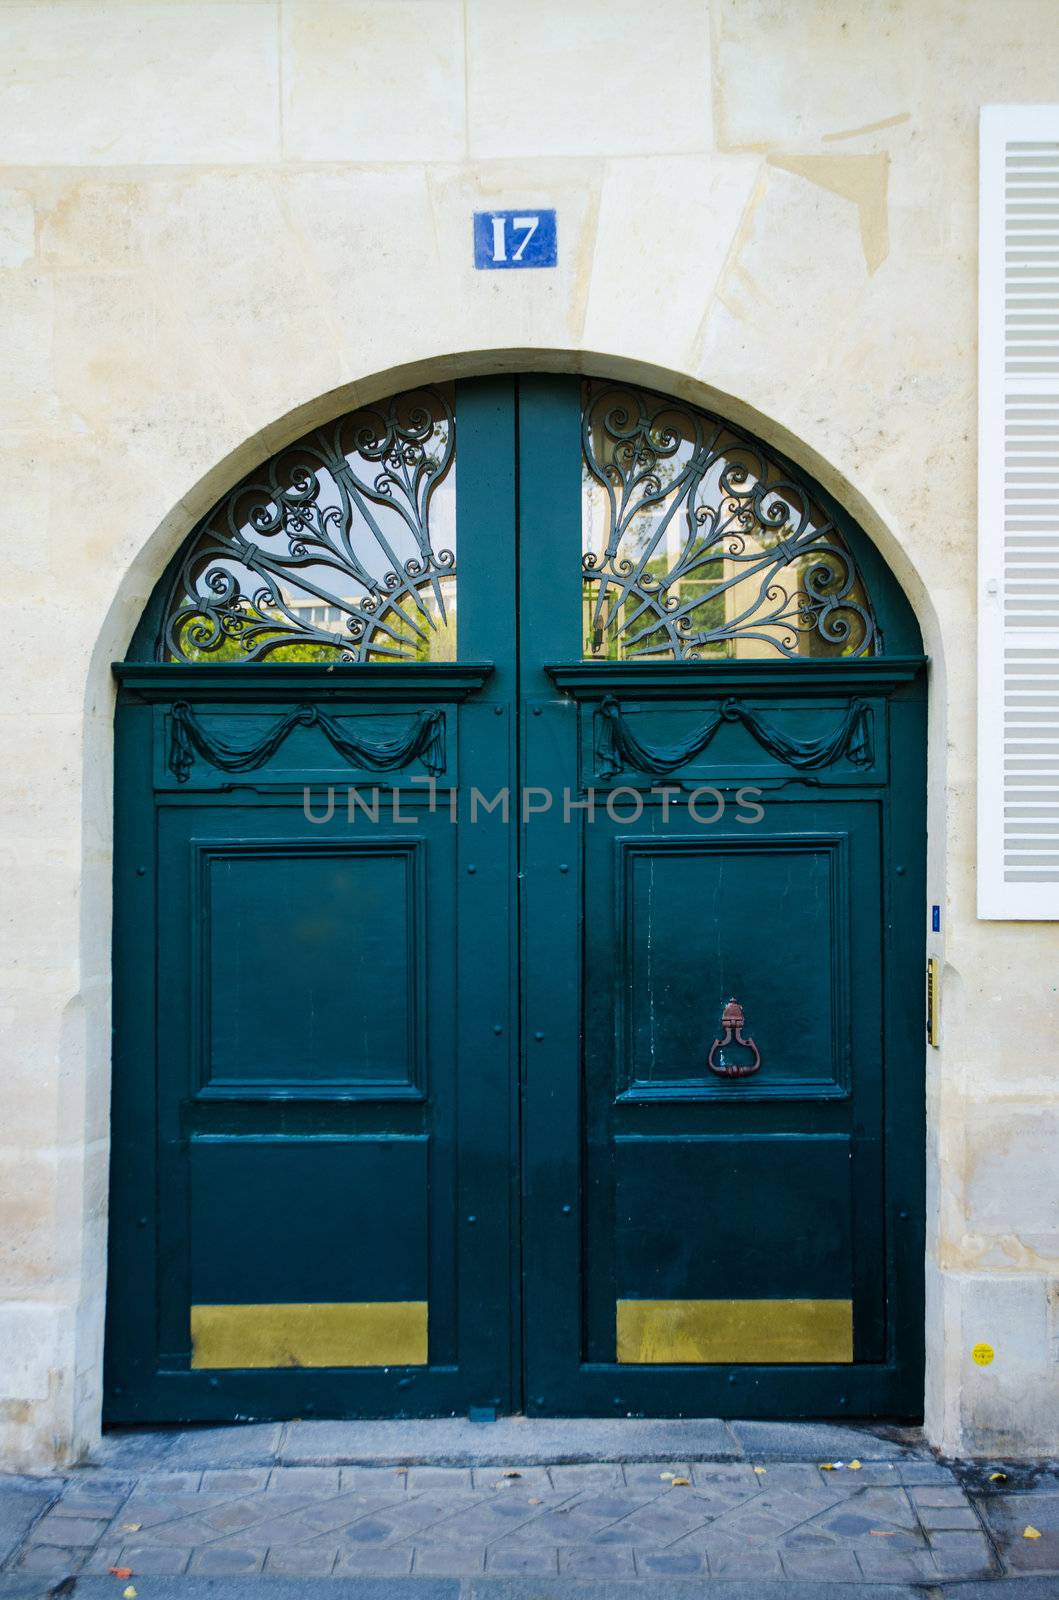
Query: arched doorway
point(518, 943)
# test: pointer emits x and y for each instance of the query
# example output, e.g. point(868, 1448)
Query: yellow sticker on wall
point(982, 1354)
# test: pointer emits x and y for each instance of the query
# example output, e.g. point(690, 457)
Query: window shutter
point(1018, 514)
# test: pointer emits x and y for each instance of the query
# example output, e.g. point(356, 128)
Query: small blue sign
point(935, 919)
point(523, 238)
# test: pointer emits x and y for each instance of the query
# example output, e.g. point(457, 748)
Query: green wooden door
point(421, 1111)
point(735, 829)
point(314, 1184)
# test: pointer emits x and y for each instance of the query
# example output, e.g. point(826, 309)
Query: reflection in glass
point(698, 546)
point(341, 548)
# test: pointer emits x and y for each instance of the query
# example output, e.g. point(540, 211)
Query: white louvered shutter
point(1018, 514)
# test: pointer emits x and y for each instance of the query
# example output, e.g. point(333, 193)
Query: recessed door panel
point(733, 1249)
point(294, 1261)
point(312, 970)
point(700, 921)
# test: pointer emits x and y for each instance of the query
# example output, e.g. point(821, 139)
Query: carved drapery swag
point(425, 740)
point(618, 747)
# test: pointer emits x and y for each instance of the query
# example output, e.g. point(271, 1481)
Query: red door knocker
point(733, 1019)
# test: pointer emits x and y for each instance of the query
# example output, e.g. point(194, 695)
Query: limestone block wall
point(223, 219)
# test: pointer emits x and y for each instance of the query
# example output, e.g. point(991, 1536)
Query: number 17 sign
point(515, 239)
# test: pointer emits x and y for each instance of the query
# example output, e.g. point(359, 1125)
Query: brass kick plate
point(933, 1027)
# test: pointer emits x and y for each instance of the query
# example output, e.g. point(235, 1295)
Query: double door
point(571, 1065)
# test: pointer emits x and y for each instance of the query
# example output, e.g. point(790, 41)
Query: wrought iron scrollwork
point(328, 551)
point(698, 544)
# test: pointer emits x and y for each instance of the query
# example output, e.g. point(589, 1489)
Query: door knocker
point(733, 1020)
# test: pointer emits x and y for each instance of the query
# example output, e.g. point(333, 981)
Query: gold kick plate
point(933, 1007)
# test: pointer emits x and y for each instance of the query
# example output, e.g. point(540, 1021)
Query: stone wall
point(223, 219)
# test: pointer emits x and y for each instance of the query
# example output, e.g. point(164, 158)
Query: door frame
point(491, 407)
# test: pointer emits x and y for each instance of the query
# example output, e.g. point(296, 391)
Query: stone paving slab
point(823, 1441)
point(1016, 1589)
point(22, 1501)
point(682, 1523)
point(1007, 1516)
point(497, 1587)
point(670, 1589)
point(719, 1521)
point(480, 1588)
point(456, 1441)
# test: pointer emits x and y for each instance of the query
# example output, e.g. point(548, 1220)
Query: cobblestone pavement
point(906, 1520)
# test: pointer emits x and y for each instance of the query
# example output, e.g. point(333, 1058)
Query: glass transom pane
point(342, 547)
point(697, 546)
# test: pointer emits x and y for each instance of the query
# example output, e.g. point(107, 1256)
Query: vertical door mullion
point(486, 931)
point(550, 868)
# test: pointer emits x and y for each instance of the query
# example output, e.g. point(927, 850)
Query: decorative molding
point(618, 747)
point(435, 682)
point(678, 680)
point(211, 1086)
point(424, 740)
point(830, 1081)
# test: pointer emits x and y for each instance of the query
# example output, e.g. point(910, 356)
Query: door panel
point(721, 1229)
point(733, 1249)
point(330, 1232)
point(365, 899)
point(709, 1213)
point(298, 959)
point(699, 921)
point(294, 1262)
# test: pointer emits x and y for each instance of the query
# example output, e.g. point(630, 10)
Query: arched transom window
point(341, 547)
point(697, 544)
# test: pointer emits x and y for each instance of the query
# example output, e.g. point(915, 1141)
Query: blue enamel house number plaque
point(522, 238)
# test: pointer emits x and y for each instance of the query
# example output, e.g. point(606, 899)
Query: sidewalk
point(514, 1510)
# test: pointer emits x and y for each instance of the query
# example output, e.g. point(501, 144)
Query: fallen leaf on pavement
point(827, 1466)
point(131, 1527)
point(534, 1500)
point(854, 1466)
point(129, 1593)
point(998, 1477)
point(1030, 1532)
point(884, 1533)
point(510, 1473)
point(121, 1572)
point(761, 1471)
point(681, 1483)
